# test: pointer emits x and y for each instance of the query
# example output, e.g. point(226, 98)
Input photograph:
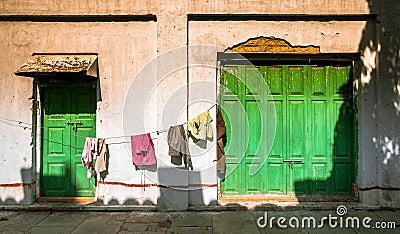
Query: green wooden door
point(312, 151)
point(69, 116)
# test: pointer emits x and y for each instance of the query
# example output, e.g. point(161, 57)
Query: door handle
point(292, 161)
point(76, 123)
point(75, 126)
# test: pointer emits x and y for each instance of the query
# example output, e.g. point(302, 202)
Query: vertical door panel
point(318, 82)
point(296, 81)
point(278, 147)
point(275, 171)
point(297, 160)
point(341, 82)
point(230, 81)
point(274, 78)
point(57, 179)
point(84, 117)
point(297, 129)
point(56, 144)
point(319, 126)
point(297, 181)
point(252, 81)
point(232, 183)
point(275, 177)
point(275, 167)
point(342, 137)
point(255, 103)
point(320, 148)
point(230, 105)
point(230, 108)
point(320, 174)
point(341, 178)
point(255, 125)
point(254, 183)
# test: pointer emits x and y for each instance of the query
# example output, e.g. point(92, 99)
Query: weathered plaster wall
point(387, 112)
point(16, 152)
point(124, 48)
point(120, 59)
point(332, 37)
point(192, 6)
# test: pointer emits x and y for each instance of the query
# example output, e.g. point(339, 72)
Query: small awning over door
point(43, 64)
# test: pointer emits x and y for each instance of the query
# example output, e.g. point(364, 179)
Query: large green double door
point(68, 117)
point(306, 147)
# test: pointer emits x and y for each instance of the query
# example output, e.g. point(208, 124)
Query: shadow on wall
point(127, 202)
point(379, 107)
point(22, 193)
point(383, 156)
point(335, 175)
point(181, 188)
point(174, 190)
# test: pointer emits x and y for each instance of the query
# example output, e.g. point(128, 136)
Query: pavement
point(233, 221)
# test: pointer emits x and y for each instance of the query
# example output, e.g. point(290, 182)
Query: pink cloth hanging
point(143, 150)
point(87, 157)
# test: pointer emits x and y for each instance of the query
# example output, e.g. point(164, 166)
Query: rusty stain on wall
point(29, 185)
point(271, 45)
point(155, 185)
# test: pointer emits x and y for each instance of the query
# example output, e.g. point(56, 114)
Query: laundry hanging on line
point(95, 149)
point(100, 153)
point(87, 157)
point(143, 153)
point(221, 141)
point(200, 127)
point(178, 146)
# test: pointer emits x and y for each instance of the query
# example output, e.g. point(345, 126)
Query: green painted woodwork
point(68, 117)
point(312, 152)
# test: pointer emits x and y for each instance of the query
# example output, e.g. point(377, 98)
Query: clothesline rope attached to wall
point(29, 126)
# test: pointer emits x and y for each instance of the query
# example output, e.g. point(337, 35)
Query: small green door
point(69, 116)
point(312, 153)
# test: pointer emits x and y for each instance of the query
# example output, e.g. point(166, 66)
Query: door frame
point(325, 59)
point(39, 84)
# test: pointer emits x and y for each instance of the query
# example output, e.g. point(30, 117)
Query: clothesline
point(25, 126)
point(158, 131)
point(31, 126)
point(143, 153)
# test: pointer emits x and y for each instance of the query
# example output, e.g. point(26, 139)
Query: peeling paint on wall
point(271, 45)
